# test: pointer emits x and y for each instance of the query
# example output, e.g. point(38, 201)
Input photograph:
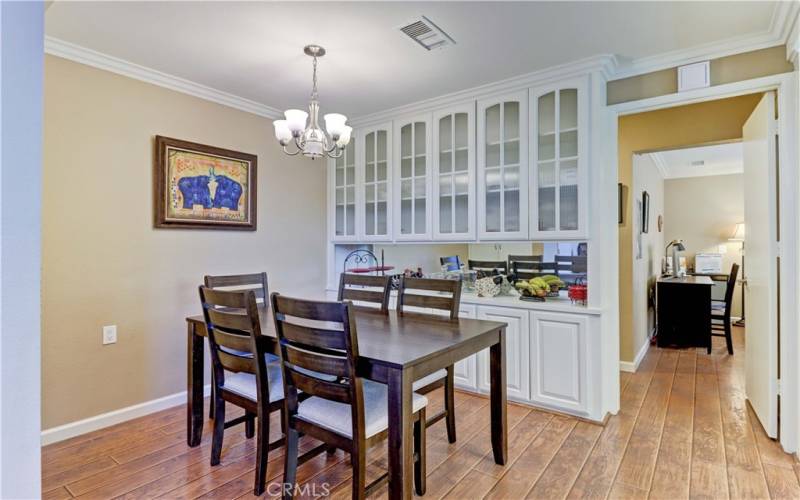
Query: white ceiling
point(254, 50)
point(720, 159)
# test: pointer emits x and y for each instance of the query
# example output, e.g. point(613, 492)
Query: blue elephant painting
point(195, 191)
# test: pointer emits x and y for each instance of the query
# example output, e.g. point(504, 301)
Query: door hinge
point(778, 386)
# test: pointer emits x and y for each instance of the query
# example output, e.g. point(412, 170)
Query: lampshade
point(282, 132)
point(335, 123)
point(738, 233)
point(344, 138)
point(296, 120)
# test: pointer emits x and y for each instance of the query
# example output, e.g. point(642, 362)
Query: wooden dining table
point(395, 349)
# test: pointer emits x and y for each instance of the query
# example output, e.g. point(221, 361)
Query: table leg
point(497, 370)
point(194, 387)
point(400, 453)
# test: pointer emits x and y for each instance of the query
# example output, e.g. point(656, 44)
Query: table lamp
point(677, 246)
point(738, 235)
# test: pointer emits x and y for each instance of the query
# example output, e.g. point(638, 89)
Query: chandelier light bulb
point(334, 124)
point(282, 132)
point(296, 120)
point(344, 138)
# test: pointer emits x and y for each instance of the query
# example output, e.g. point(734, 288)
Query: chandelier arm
point(291, 154)
point(341, 152)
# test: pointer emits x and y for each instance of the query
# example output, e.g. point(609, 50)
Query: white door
point(761, 300)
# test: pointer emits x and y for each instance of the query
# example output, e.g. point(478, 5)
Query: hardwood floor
point(684, 430)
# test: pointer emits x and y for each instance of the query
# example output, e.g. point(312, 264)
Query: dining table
point(395, 348)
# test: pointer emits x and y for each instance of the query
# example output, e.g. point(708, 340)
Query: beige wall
point(681, 126)
point(648, 248)
point(102, 261)
point(734, 68)
point(703, 211)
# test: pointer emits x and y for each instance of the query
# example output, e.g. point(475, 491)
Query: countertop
point(687, 280)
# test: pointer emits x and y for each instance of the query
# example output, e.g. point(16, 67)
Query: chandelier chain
point(314, 87)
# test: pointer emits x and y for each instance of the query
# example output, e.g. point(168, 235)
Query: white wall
point(21, 54)
point(647, 262)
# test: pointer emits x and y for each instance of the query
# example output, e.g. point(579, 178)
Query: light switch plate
point(109, 334)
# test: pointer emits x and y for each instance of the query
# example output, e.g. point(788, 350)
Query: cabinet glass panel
point(413, 178)
point(344, 192)
point(375, 182)
point(453, 130)
point(557, 160)
point(502, 142)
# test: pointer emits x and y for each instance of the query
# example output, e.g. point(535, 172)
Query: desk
point(684, 311)
point(395, 349)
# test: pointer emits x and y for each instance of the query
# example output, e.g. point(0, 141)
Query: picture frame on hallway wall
point(196, 186)
point(645, 211)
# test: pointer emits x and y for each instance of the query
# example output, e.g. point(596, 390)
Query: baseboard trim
point(631, 367)
point(72, 429)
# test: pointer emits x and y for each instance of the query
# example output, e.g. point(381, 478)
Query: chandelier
point(310, 139)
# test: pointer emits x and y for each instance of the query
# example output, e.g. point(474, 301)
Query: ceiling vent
point(426, 33)
point(698, 163)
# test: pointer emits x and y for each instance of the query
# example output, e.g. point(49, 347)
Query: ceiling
point(254, 49)
point(719, 159)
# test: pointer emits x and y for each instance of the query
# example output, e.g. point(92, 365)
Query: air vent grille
point(426, 33)
point(698, 163)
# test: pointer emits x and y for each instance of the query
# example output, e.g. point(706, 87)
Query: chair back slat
point(230, 321)
point(488, 266)
point(309, 309)
point(234, 363)
point(235, 341)
point(450, 304)
point(318, 362)
point(333, 391)
point(365, 288)
point(310, 336)
point(256, 282)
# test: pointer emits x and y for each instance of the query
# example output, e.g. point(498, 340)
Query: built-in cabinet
point(454, 173)
point(550, 359)
point(512, 166)
point(502, 167)
point(412, 178)
point(342, 180)
point(375, 188)
point(558, 161)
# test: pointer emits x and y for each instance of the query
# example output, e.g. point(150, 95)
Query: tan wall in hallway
point(706, 122)
point(102, 261)
point(703, 211)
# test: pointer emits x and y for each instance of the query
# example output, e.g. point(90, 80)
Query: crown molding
point(660, 164)
point(781, 25)
point(83, 55)
point(605, 64)
point(793, 39)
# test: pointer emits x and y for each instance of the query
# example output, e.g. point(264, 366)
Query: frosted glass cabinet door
point(342, 194)
point(558, 137)
point(502, 167)
point(411, 189)
point(454, 173)
point(375, 183)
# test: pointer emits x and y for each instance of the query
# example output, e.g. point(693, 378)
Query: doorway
point(688, 187)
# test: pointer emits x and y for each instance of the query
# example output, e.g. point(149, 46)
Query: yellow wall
point(681, 126)
point(734, 68)
point(102, 261)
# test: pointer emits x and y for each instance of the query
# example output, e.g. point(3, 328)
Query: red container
point(579, 292)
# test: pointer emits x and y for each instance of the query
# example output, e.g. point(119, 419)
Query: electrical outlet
point(110, 334)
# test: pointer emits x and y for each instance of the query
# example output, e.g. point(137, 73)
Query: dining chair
point(243, 374)
point(452, 262)
point(239, 282)
point(488, 267)
point(348, 412)
point(450, 304)
point(365, 288)
point(721, 319)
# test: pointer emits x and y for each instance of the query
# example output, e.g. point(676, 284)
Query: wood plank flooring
point(683, 431)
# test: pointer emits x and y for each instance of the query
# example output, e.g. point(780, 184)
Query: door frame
point(786, 87)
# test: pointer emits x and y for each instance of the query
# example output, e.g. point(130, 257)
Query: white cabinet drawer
point(517, 351)
point(559, 361)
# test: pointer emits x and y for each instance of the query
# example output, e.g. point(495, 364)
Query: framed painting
point(203, 187)
point(645, 212)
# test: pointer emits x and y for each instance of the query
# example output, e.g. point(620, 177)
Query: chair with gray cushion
point(721, 319)
point(364, 288)
point(243, 374)
point(449, 303)
point(349, 412)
